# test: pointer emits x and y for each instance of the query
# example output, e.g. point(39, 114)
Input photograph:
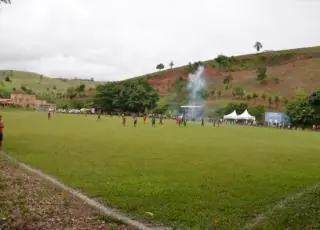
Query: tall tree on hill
point(171, 64)
point(258, 46)
point(160, 66)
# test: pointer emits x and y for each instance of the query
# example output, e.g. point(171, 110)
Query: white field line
point(102, 208)
point(282, 204)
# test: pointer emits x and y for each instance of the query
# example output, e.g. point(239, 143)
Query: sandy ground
point(27, 202)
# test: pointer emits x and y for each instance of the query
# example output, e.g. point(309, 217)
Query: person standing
point(145, 118)
point(1, 131)
point(123, 120)
point(49, 115)
point(161, 120)
point(202, 121)
point(153, 121)
point(135, 121)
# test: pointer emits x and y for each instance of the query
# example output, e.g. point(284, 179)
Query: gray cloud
point(116, 39)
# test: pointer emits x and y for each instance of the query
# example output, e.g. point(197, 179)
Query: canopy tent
point(246, 116)
point(231, 116)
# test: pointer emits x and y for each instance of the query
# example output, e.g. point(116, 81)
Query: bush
point(261, 74)
point(227, 79)
point(238, 91)
point(23, 88)
point(7, 79)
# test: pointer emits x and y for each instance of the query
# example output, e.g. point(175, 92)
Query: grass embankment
point(28, 202)
point(201, 177)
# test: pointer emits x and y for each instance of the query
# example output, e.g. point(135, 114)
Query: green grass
point(205, 178)
point(37, 85)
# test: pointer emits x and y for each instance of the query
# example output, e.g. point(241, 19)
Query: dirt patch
point(27, 202)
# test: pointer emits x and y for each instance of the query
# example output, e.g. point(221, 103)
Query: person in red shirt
point(1, 131)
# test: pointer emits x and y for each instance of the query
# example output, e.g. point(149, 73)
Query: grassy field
point(199, 177)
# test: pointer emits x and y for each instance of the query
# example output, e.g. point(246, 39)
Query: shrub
point(7, 78)
point(261, 74)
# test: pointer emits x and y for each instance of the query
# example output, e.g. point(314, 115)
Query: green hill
point(13, 81)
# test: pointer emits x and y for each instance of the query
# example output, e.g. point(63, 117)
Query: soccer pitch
point(193, 177)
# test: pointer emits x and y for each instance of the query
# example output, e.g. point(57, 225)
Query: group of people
point(181, 121)
point(145, 118)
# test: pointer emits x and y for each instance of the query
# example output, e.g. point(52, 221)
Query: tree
point(162, 106)
point(7, 78)
point(258, 46)
point(227, 80)
point(160, 66)
point(263, 96)
point(222, 61)
point(277, 100)
point(257, 111)
point(81, 88)
point(171, 64)
point(255, 96)
point(261, 74)
point(71, 93)
point(270, 101)
point(301, 112)
point(314, 101)
point(135, 95)
point(238, 92)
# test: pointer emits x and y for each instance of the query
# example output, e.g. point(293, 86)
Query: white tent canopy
point(231, 116)
point(246, 116)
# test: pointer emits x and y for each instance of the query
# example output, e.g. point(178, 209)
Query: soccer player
point(184, 122)
point(202, 121)
point(145, 119)
point(135, 121)
point(123, 120)
point(1, 131)
point(49, 115)
point(153, 121)
point(161, 120)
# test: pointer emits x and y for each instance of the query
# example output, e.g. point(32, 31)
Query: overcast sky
point(117, 39)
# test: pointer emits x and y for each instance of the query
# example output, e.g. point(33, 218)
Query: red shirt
point(1, 126)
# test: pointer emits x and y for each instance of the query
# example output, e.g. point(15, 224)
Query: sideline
point(104, 209)
point(282, 204)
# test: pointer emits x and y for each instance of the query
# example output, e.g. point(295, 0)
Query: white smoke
point(195, 87)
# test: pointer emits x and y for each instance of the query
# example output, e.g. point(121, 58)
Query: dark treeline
point(305, 110)
point(135, 95)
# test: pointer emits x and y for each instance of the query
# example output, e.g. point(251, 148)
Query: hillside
point(289, 73)
point(11, 81)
